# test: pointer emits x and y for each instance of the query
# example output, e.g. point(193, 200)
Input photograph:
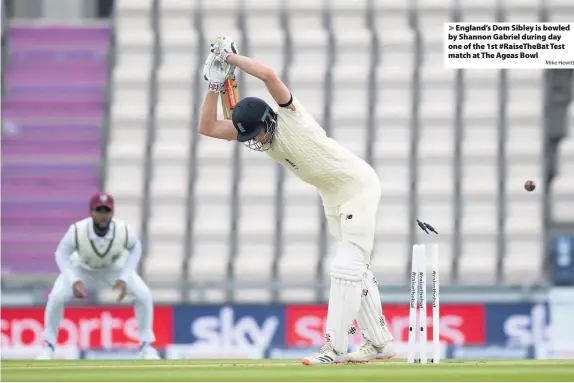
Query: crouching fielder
point(87, 257)
point(349, 188)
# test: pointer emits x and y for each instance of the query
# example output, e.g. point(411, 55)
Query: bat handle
point(230, 92)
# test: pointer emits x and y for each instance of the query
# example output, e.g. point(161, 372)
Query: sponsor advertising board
point(115, 353)
point(187, 351)
point(83, 327)
point(31, 352)
point(489, 351)
point(227, 329)
point(561, 310)
point(517, 324)
point(277, 331)
point(459, 324)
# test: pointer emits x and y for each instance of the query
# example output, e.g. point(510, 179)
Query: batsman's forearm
point(208, 112)
point(250, 66)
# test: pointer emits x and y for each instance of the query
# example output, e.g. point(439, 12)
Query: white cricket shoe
point(47, 352)
point(325, 355)
point(369, 352)
point(148, 352)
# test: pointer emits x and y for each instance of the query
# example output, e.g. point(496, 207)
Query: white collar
point(93, 236)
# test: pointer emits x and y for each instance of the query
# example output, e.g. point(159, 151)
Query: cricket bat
point(230, 97)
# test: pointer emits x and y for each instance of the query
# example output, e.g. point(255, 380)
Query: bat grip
point(230, 93)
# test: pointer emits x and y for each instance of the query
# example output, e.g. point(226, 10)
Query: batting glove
point(223, 48)
point(216, 87)
point(214, 74)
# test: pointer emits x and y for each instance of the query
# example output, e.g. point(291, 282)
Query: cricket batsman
point(91, 254)
point(348, 186)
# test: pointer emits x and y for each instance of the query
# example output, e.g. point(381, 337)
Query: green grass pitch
point(284, 370)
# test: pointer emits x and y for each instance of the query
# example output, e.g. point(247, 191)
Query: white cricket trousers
point(352, 224)
point(138, 292)
point(355, 220)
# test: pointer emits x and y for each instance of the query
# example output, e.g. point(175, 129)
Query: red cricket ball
point(529, 186)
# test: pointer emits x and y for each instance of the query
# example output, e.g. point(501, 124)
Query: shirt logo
point(291, 163)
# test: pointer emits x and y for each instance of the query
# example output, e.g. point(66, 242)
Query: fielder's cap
point(102, 200)
point(249, 117)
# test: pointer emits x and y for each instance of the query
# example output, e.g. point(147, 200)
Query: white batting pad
point(347, 270)
point(371, 320)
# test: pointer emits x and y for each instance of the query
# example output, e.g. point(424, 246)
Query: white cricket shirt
point(82, 247)
point(301, 145)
